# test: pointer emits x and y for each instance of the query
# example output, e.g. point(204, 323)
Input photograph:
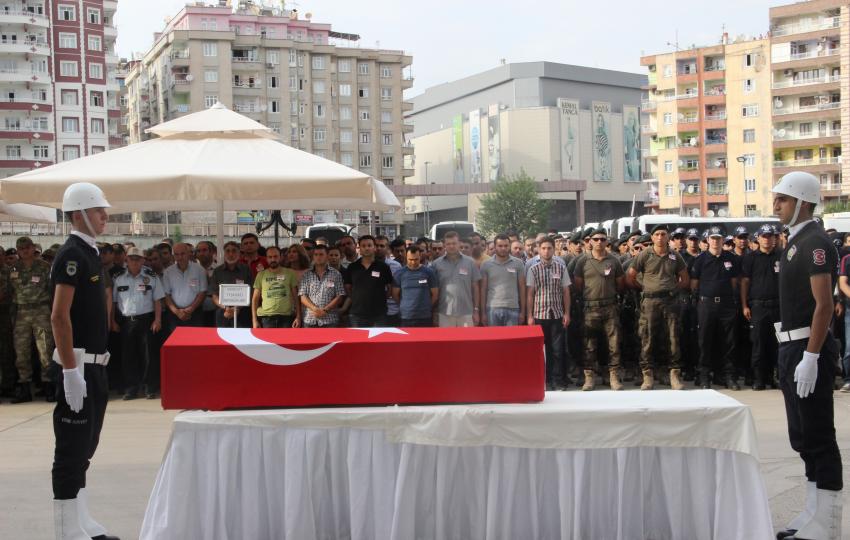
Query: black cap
point(616, 244)
point(587, 232)
point(680, 231)
point(692, 233)
point(11, 251)
point(728, 239)
point(659, 227)
point(600, 230)
point(741, 231)
point(635, 232)
point(766, 230)
point(644, 239)
point(713, 231)
point(575, 238)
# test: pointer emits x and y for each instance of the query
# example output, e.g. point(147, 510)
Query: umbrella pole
point(219, 227)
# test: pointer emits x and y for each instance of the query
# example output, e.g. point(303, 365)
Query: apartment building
point(58, 93)
point(308, 82)
point(707, 114)
point(809, 52)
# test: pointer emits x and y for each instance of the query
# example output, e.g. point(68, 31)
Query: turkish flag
point(225, 368)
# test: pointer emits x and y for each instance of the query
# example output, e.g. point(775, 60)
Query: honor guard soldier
point(760, 304)
point(138, 295)
point(599, 277)
point(664, 274)
point(714, 277)
point(29, 278)
point(80, 327)
point(807, 355)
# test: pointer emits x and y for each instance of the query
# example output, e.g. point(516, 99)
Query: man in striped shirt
point(548, 301)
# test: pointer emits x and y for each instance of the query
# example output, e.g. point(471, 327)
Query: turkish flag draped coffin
point(227, 368)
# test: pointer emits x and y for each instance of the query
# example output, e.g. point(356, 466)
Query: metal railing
point(805, 82)
point(808, 162)
point(20, 13)
point(810, 54)
point(179, 55)
point(716, 116)
point(648, 105)
point(789, 136)
point(715, 67)
point(824, 24)
point(239, 59)
point(716, 190)
point(806, 108)
point(17, 129)
point(689, 119)
point(23, 99)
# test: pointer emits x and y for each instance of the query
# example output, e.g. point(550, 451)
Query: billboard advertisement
point(570, 152)
point(475, 146)
point(602, 160)
point(494, 145)
point(631, 144)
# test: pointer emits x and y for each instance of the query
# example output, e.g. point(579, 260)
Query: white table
point(597, 466)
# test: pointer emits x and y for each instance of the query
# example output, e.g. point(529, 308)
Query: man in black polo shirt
point(760, 304)
point(714, 276)
point(367, 282)
point(80, 328)
point(808, 354)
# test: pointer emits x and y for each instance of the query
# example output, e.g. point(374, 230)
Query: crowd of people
point(656, 307)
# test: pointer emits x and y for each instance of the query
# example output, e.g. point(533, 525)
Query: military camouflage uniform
point(31, 298)
point(7, 361)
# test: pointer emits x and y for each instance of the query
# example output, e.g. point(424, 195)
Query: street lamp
point(427, 201)
point(743, 161)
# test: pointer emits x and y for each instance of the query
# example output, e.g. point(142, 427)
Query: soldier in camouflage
point(7, 357)
point(29, 278)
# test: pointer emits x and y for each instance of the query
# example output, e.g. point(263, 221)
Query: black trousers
point(276, 321)
point(77, 434)
point(763, 338)
point(689, 341)
point(553, 342)
point(243, 318)
point(426, 322)
point(718, 325)
point(135, 352)
point(811, 424)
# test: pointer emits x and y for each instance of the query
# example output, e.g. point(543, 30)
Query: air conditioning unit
point(269, 65)
point(788, 72)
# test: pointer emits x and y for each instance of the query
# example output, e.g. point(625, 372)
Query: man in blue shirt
point(416, 289)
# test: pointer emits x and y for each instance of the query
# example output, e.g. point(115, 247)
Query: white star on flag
point(378, 331)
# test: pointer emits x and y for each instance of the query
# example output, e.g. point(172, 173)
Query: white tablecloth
point(600, 465)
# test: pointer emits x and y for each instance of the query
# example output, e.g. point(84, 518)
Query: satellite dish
point(695, 212)
point(693, 141)
point(722, 213)
point(190, 77)
point(717, 163)
point(709, 213)
point(777, 103)
point(781, 132)
point(692, 189)
point(681, 163)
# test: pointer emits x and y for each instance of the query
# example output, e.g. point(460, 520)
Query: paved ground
point(136, 434)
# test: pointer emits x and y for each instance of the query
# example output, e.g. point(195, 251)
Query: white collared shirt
point(87, 239)
point(793, 230)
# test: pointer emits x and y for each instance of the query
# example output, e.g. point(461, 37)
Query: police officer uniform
point(760, 294)
point(136, 298)
point(717, 311)
point(688, 304)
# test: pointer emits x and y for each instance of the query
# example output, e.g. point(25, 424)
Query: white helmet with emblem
point(803, 186)
point(82, 196)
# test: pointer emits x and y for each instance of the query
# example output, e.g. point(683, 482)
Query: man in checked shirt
point(321, 291)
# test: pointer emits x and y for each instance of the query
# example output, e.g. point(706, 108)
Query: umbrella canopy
point(27, 213)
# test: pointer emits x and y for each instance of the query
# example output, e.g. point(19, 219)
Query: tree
point(514, 204)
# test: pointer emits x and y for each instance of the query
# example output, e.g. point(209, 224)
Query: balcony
point(247, 107)
point(797, 109)
point(834, 189)
point(11, 132)
point(110, 6)
point(25, 103)
point(181, 86)
point(690, 172)
point(798, 28)
point(821, 164)
point(241, 60)
point(13, 16)
point(25, 46)
point(716, 189)
point(648, 105)
point(716, 116)
point(406, 82)
point(407, 149)
point(646, 128)
point(24, 75)
point(110, 32)
point(794, 83)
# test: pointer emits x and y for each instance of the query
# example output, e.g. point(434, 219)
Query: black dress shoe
point(731, 384)
point(787, 533)
point(758, 387)
point(105, 537)
point(706, 386)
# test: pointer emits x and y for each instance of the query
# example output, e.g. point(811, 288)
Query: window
point(67, 41)
point(386, 93)
point(345, 136)
point(319, 134)
point(70, 97)
point(70, 152)
point(748, 60)
point(366, 160)
point(40, 151)
point(293, 107)
point(345, 113)
point(301, 60)
point(292, 57)
point(273, 57)
point(13, 123)
point(749, 86)
point(346, 159)
point(386, 117)
point(749, 184)
point(319, 110)
point(301, 108)
point(344, 66)
point(322, 154)
point(805, 128)
point(363, 69)
point(318, 87)
point(668, 166)
point(13, 151)
point(387, 162)
point(749, 160)
point(210, 100)
point(387, 139)
point(386, 72)
point(40, 123)
point(97, 125)
point(211, 76)
point(363, 91)
point(345, 90)
point(749, 135)
point(363, 114)
point(274, 106)
point(93, 15)
point(274, 81)
point(293, 84)
point(365, 137)
point(95, 71)
point(95, 43)
point(67, 13)
point(668, 190)
point(668, 118)
point(749, 111)
point(96, 99)
point(67, 68)
point(210, 48)
point(70, 125)
point(97, 150)
point(668, 71)
point(318, 62)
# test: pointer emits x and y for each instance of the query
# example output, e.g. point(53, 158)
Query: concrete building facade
point(301, 78)
point(553, 121)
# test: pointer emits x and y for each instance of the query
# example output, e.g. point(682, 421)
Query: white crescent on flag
point(268, 353)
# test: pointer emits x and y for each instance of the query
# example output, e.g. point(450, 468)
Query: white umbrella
point(210, 160)
point(27, 213)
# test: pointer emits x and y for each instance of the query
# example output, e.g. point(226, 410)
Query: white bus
point(463, 228)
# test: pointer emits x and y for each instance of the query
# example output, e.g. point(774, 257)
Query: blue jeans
point(845, 361)
point(498, 316)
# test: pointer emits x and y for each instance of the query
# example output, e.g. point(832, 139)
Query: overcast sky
point(453, 39)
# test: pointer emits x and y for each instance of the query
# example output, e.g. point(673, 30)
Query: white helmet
point(800, 185)
point(82, 196)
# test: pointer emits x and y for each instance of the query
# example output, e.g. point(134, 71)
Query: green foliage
point(514, 204)
point(178, 234)
point(839, 206)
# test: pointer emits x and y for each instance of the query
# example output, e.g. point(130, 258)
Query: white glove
point(75, 388)
point(806, 374)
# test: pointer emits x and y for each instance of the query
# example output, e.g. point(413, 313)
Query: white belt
point(84, 357)
point(791, 335)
